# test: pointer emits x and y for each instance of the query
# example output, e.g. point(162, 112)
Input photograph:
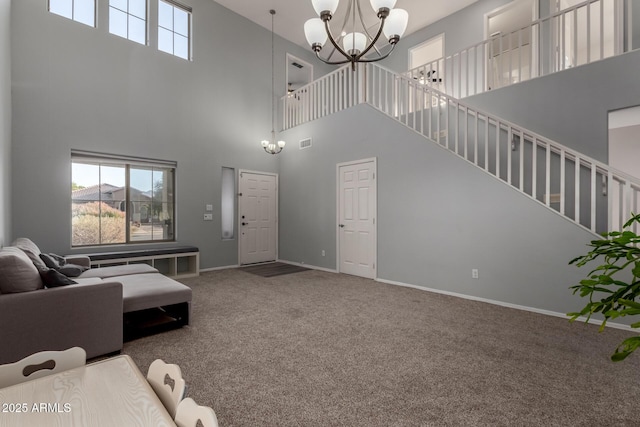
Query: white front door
point(258, 217)
point(357, 218)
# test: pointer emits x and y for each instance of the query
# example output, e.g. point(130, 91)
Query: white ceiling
point(292, 14)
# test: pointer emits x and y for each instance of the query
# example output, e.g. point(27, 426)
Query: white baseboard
point(219, 268)
point(313, 267)
point(507, 304)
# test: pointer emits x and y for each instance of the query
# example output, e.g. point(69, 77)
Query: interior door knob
point(244, 223)
point(341, 225)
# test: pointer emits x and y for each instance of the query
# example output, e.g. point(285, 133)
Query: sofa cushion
point(31, 249)
point(17, 272)
point(52, 278)
point(118, 270)
point(142, 291)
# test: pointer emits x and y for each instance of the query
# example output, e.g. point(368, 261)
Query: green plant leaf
point(625, 348)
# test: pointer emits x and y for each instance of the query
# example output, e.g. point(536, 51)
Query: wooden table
point(111, 392)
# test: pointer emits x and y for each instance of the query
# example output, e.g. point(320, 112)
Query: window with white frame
point(174, 29)
point(128, 19)
point(119, 199)
point(83, 11)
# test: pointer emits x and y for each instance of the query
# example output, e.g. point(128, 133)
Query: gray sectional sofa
point(87, 314)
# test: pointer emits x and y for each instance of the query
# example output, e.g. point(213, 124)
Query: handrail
point(574, 36)
point(329, 94)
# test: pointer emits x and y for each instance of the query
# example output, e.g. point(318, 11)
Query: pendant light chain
point(272, 146)
point(273, 125)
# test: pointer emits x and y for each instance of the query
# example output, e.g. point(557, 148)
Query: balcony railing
point(581, 34)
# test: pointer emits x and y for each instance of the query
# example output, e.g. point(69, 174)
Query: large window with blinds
point(120, 199)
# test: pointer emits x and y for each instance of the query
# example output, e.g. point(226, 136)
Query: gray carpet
point(321, 349)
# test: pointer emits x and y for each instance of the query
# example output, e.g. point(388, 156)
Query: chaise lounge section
point(88, 314)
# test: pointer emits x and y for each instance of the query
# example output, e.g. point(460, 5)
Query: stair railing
point(582, 189)
point(574, 36)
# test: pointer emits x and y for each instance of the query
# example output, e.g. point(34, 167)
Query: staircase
point(581, 189)
point(427, 100)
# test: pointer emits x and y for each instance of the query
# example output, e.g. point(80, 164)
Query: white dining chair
point(189, 413)
point(40, 365)
point(166, 380)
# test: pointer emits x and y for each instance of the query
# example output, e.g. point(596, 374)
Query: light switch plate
point(208, 217)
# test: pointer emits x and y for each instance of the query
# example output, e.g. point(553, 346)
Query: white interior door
point(357, 204)
point(257, 209)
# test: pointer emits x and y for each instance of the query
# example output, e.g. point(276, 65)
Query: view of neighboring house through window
point(116, 200)
point(128, 19)
point(174, 28)
point(83, 11)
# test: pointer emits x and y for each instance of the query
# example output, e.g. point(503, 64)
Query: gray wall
point(438, 216)
point(5, 121)
point(77, 87)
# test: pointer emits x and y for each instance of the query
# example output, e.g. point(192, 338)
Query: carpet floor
point(322, 349)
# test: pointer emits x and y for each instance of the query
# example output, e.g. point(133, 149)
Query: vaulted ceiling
point(292, 14)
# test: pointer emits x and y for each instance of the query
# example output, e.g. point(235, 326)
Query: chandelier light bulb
point(281, 144)
point(315, 33)
point(325, 6)
point(395, 25)
point(354, 43)
point(382, 4)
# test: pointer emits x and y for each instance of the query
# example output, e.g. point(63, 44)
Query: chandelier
point(355, 44)
point(271, 146)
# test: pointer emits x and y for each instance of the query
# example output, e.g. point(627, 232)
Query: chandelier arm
point(332, 62)
point(393, 46)
point(366, 31)
point(364, 52)
point(333, 42)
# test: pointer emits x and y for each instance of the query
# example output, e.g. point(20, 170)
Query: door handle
point(244, 223)
point(341, 225)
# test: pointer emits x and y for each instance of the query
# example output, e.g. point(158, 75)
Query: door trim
point(534, 42)
point(238, 219)
point(375, 225)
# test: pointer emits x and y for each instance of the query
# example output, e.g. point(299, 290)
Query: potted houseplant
point(613, 287)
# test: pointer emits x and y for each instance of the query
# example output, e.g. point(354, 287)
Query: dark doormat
point(273, 269)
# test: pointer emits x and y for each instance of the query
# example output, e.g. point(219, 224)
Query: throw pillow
point(50, 261)
point(60, 259)
point(53, 279)
point(17, 272)
point(72, 270)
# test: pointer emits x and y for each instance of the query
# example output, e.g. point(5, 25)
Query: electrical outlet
point(474, 273)
point(208, 208)
point(323, 252)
